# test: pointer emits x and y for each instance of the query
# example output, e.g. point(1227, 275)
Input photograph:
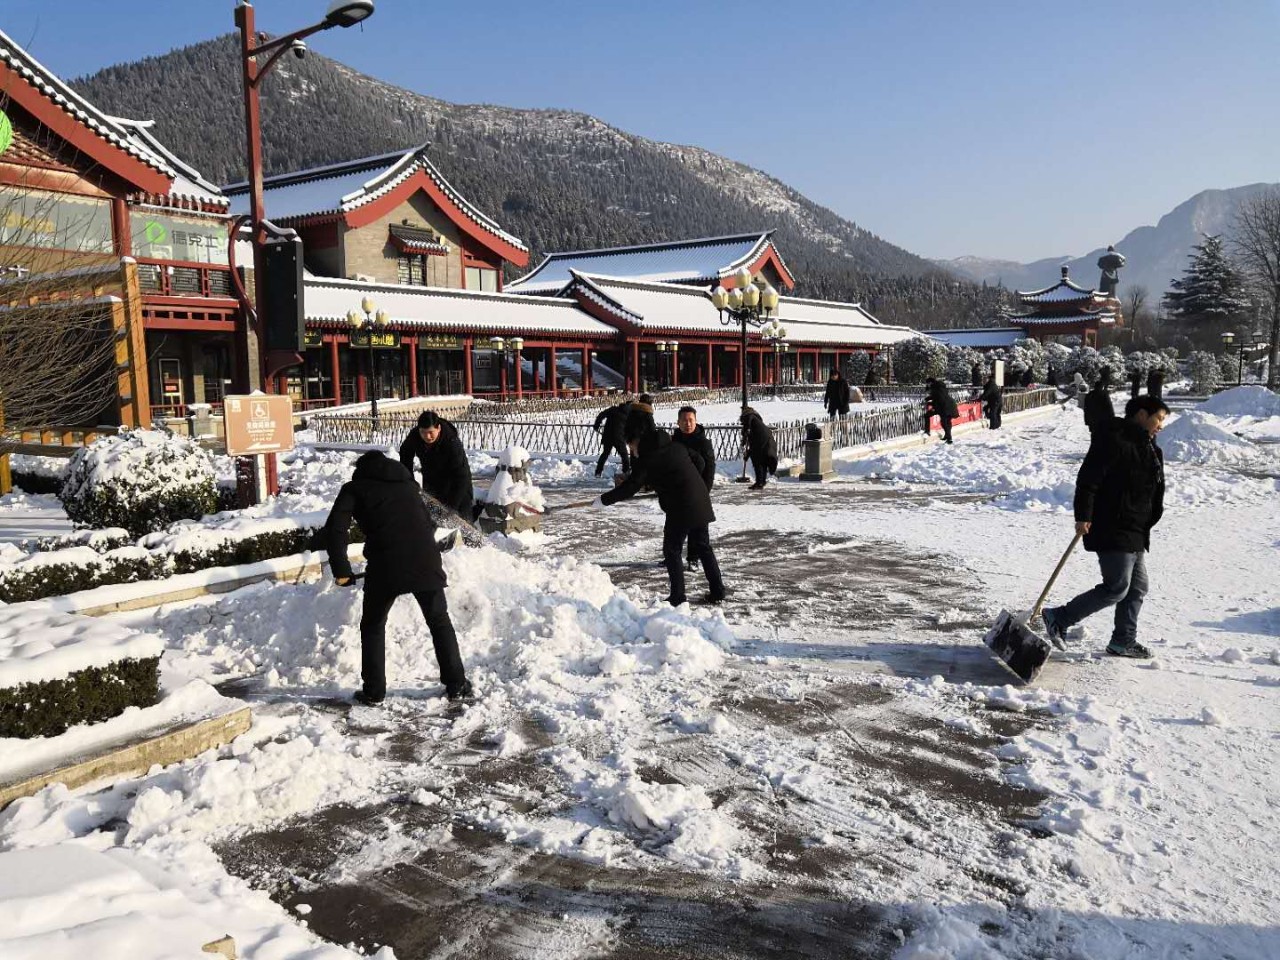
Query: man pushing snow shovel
point(402, 557)
point(1119, 498)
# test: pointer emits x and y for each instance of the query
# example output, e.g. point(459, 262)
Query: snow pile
point(504, 490)
point(1195, 438)
point(513, 456)
point(37, 645)
point(1245, 401)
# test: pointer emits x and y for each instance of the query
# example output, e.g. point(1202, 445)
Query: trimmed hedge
point(59, 579)
point(48, 707)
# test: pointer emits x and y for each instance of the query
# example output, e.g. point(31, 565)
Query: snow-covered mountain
point(1155, 255)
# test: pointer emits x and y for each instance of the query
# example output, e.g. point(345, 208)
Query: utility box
point(817, 455)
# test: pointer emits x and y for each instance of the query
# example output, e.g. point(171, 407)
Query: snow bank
point(1244, 401)
point(37, 645)
point(1195, 437)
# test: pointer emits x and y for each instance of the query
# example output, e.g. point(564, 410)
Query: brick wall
point(367, 250)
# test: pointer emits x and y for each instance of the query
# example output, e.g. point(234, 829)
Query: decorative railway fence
point(579, 439)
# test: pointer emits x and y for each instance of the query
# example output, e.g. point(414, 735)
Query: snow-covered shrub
point(878, 372)
point(1026, 355)
point(918, 359)
point(857, 367)
point(1228, 368)
point(1114, 359)
point(1085, 361)
point(960, 364)
point(142, 480)
point(1058, 358)
point(1203, 369)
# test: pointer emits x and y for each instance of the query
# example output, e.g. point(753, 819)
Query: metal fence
point(580, 439)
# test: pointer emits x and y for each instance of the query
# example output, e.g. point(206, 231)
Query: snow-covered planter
point(512, 502)
point(57, 671)
point(142, 480)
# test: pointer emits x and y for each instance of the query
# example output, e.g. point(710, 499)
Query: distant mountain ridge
point(1155, 255)
point(559, 180)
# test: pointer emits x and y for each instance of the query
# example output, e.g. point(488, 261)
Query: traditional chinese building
point(98, 203)
point(1066, 309)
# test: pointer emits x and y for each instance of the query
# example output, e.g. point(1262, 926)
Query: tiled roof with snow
point(76, 106)
point(341, 187)
point(187, 181)
point(434, 308)
point(687, 261)
point(670, 307)
point(982, 338)
point(1043, 320)
point(1064, 291)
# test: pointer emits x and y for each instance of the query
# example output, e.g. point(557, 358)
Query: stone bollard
point(200, 420)
point(817, 455)
point(509, 517)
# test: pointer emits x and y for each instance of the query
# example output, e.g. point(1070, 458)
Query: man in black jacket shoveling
point(761, 447)
point(401, 557)
point(1119, 498)
point(673, 473)
point(690, 435)
point(609, 424)
point(446, 474)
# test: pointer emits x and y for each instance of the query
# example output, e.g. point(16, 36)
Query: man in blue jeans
point(1119, 498)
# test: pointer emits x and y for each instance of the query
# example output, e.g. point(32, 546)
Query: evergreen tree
point(1209, 297)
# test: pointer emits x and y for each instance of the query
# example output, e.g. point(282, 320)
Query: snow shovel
point(1019, 647)
point(579, 504)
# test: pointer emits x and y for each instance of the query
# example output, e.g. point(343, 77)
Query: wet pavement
point(923, 805)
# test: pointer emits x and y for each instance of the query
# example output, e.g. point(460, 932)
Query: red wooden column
point(551, 370)
point(635, 366)
point(797, 370)
point(362, 378)
point(333, 360)
point(675, 368)
point(710, 366)
point(466, 366)
point(413, 366)
point(520, 375)
point(759, 367)
point(586, 368)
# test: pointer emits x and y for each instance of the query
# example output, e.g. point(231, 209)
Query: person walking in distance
point(761, 448)
point(1135, 383)
point(1119, 498)
point(836, 398)
point(674, 472)
point(402, 557)
point(939, 402)
point(446, 474)
point(992, 398)
point(690, 435)
point(1155, 383)
point(1099, 412)
point(609, 424)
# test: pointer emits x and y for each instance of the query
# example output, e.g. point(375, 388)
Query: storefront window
point(163, 236)
point(54, 221)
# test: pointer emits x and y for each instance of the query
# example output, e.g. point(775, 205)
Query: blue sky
point(1005, 129)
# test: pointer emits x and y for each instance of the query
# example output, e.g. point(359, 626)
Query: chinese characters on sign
point(385, 341)
point(256, 424)
point(440, 341)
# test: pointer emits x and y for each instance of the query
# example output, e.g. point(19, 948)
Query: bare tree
point(1134, 305)
point(1255, 241)
point(57, 349)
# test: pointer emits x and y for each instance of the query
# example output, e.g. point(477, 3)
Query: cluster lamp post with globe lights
point(508, 349)
point(375, 320)
point(775, 334)
point(1254, 340)
point(746, 304)
point(667, 348)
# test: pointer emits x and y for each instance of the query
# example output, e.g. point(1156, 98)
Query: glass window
point(481, 278)
point(411, 270)
point(163, 236)
point(55, 221)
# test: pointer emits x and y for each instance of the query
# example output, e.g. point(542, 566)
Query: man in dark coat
point(1098, 410)
point(690, 435)
point(992, 398)
point(446, 475)
point(1119, 498)
point(836, 399)
point(610, 425)
point(1155, 383)
point(762, 449)
point(673, 472)
point(939, 403)
point(401, 557)
point(640, 417)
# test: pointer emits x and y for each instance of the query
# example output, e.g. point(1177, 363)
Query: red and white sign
point(259, 423)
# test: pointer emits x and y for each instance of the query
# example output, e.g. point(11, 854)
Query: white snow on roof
point(187, 181)
point(980, 338)
point(44, 80)
point(665, 306)
point(706, 259)
point(345, 186)
point(1064, 292)
point(434, 308)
